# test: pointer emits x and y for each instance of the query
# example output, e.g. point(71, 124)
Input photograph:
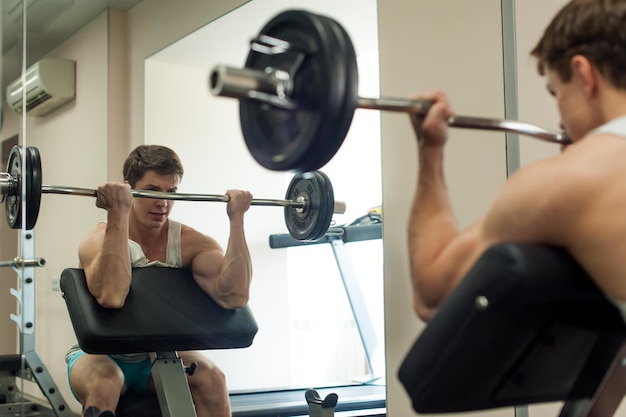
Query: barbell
point(298, 92)
point(309, 202)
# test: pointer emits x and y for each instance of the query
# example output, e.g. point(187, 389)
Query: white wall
point(455, 46)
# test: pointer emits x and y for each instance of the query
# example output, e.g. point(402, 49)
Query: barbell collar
point(269, 45)
point(272, 86)
point(6, 184)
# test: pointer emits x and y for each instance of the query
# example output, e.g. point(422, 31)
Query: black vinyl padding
point(547, 334)
point(165, 311)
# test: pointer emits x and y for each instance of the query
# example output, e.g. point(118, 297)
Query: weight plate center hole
point(303, 211)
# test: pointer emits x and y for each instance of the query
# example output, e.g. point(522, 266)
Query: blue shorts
point(136, 374)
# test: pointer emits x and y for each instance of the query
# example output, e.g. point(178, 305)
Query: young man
point(574, 200)
point(138, 232)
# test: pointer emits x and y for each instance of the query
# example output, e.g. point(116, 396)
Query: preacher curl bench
point(165, 312)
point(526, 325)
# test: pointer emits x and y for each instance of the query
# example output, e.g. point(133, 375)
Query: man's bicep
point(443, 273)
point(206, 266)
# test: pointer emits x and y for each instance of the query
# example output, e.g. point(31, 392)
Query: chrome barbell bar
point(6, 186)
point(300, 203)
point(268, 87)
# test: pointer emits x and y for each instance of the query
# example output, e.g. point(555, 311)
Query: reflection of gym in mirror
point(314, 223)
point(148, 299)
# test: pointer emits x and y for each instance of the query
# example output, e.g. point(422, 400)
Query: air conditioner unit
point(50, 83)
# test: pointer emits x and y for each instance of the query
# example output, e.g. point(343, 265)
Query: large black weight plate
point(322, 65)
point(311, 222)
point(347, 66)
point(31, 173)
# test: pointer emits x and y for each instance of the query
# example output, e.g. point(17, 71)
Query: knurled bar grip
point(267, 87)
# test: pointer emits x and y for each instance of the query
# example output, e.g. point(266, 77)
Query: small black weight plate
point(311, 222)
point(31, 173)
point(327, 204)
point(33, 186)
point(305, 138)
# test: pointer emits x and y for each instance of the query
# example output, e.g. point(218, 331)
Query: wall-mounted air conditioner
point(50, 83)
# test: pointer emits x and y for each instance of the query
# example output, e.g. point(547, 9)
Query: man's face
point(154, 212)
point(572, 104)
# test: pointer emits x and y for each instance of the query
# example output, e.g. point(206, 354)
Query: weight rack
point(27, 365)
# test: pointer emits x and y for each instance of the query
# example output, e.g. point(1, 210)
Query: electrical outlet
point(56, 284)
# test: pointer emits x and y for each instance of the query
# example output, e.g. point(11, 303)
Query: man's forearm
point(236, 274)
point(432, 224)
point(109, 275)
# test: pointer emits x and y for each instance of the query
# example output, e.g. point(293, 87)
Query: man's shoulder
point(190, 235)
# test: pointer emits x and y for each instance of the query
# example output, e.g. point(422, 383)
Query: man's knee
point(206, 375)
point(95, 373)
point(215, 376)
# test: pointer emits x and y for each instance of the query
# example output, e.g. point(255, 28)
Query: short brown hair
point(161, 159)
point(595, 29)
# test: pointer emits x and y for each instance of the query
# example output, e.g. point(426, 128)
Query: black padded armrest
point(165, 311)
point(526, 325)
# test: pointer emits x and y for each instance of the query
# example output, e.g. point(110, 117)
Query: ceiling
point(49, 23)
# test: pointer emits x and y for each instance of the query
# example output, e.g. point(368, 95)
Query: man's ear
point(585, 74)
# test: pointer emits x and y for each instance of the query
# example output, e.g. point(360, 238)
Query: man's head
point(160, 159)
point(595, 29)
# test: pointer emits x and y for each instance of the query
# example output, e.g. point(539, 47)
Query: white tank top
point(173, 255)
point(615, 127)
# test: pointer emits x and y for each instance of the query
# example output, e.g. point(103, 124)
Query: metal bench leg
point(608, 396)
point(172, 387)
point(319, 407)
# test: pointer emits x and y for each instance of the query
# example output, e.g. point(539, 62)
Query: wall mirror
point(309, 326)
point(319, 306)
point(33, 319)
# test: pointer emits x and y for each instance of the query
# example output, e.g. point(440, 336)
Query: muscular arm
point(561, 201)
point(440, 254)
point(103, 254)
point(226, 276)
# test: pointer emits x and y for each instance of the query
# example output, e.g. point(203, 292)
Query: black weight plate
point(305, 138)
point(346, 74)
point(32, 175)
point(311, 222)
point(327, 206)
point(348, 62)
point(33, 186)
